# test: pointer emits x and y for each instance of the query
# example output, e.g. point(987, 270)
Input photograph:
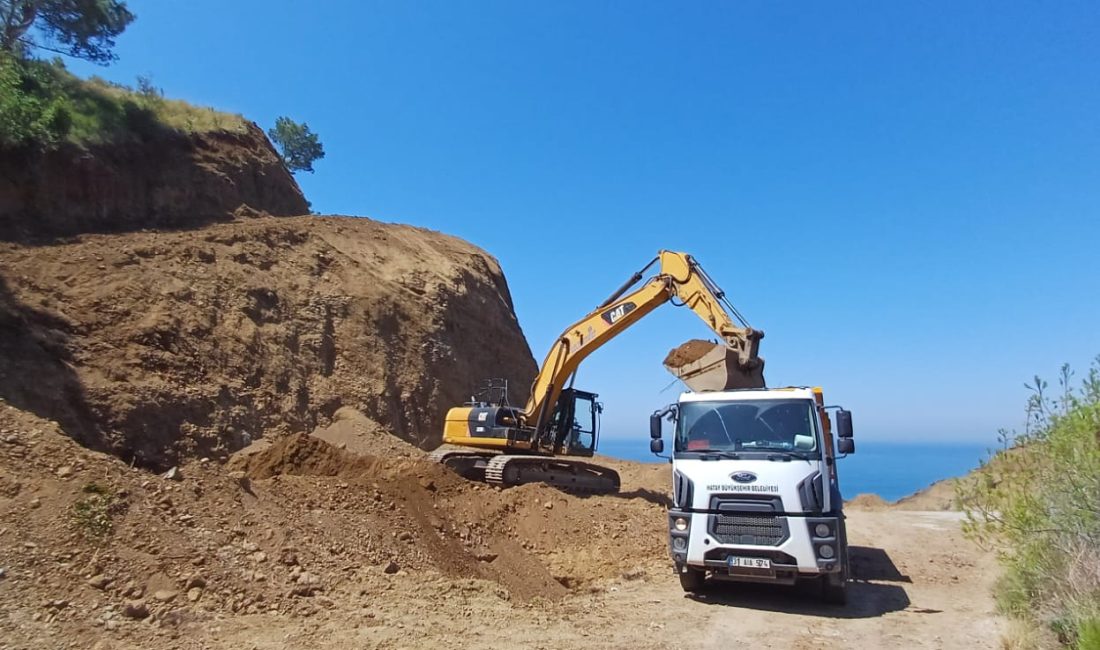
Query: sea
point(891, 470)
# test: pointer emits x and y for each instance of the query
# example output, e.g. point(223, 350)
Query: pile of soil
point(688, 352)
point(297, 528)
point(867, 501)
point(164, 346)
point(938, 496)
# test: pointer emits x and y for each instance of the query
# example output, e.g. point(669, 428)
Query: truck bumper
point(810, 547)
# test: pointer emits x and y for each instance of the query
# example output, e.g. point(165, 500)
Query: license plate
point(749, 563)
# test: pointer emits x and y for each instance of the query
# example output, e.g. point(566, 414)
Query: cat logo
point(615, 314)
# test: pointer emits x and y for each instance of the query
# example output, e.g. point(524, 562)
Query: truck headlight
point(679, 544)
point(825, 551)
point(822, 530)
point(680, 524)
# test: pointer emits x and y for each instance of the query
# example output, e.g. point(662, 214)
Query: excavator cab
point(574, 424)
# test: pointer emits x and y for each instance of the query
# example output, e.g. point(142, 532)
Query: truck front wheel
point(692, 580)
point(834, 589)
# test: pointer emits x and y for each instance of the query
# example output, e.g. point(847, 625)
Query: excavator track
point(468, 463)
point(570, 475)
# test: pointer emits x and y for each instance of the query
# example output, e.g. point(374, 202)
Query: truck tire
point(692, 580)
point(834, 588)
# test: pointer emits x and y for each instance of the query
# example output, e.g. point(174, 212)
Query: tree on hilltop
point(300, 147)
point(83, 29)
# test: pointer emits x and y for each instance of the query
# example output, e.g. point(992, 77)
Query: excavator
point(492, 441)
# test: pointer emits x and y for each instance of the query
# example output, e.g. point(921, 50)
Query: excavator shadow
point(866, 599)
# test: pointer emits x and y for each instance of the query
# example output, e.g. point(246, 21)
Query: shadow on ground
point(866, 599)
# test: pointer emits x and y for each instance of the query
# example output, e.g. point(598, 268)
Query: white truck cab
point(755, 490)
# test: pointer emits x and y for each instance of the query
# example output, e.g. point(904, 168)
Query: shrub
point(93, 513)
point(299, 145)
point(31, 109)
point(1038, 503)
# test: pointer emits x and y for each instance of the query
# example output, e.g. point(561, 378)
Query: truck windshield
point(747, 425)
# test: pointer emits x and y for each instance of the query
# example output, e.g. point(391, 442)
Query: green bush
point(298, 145)
point(1038, 503)
point(1089, 635)
point(42, 104)
point(32, 111)
point(93, 513)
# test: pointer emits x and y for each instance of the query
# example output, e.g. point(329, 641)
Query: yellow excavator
point(492, 441)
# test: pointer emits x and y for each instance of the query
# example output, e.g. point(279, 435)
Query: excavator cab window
point(574, 425)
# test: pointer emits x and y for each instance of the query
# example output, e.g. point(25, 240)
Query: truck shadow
point(866, 599)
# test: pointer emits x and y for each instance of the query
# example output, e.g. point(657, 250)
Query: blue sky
point(904, 196)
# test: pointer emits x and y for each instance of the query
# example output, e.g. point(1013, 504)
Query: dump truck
point(755, 488)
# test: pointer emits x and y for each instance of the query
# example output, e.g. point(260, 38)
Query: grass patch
point(1037, 502)
point(43, 104)
point(93, 514)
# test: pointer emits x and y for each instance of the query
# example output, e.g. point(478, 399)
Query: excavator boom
point(733, 364)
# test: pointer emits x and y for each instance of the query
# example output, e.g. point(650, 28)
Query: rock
point(136, 609)
point(173, 474)
point(259, 556)
point(485, 555)
point(288, 557)
point(307, 578)
point(193, 594)
point(99, 582)
point(633, 574)
point(391, 567)
point(35, 502)
point(164, 595)
point(111, 625)
point(65, 471)
point(3, 573)
point(405, 536)
point(195, 581)
point(549, 505)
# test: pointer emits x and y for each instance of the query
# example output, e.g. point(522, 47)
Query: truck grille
point(759, 530)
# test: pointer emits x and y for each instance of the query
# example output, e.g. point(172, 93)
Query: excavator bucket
point(707, 366)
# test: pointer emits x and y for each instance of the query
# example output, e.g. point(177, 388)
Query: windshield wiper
point(706, 454)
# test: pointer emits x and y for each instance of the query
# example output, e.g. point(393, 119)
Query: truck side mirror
point(655, 426)
point(846, 446)
point(844, 424)
point(657, 445)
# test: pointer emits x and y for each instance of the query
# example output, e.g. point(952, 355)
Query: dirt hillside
point(162, 346)
point(164, 179)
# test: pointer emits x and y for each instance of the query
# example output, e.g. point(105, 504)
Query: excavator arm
point(680, 279)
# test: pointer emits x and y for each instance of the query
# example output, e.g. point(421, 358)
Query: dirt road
point(918, 585)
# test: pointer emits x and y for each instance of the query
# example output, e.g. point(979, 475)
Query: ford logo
point(743, 477)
